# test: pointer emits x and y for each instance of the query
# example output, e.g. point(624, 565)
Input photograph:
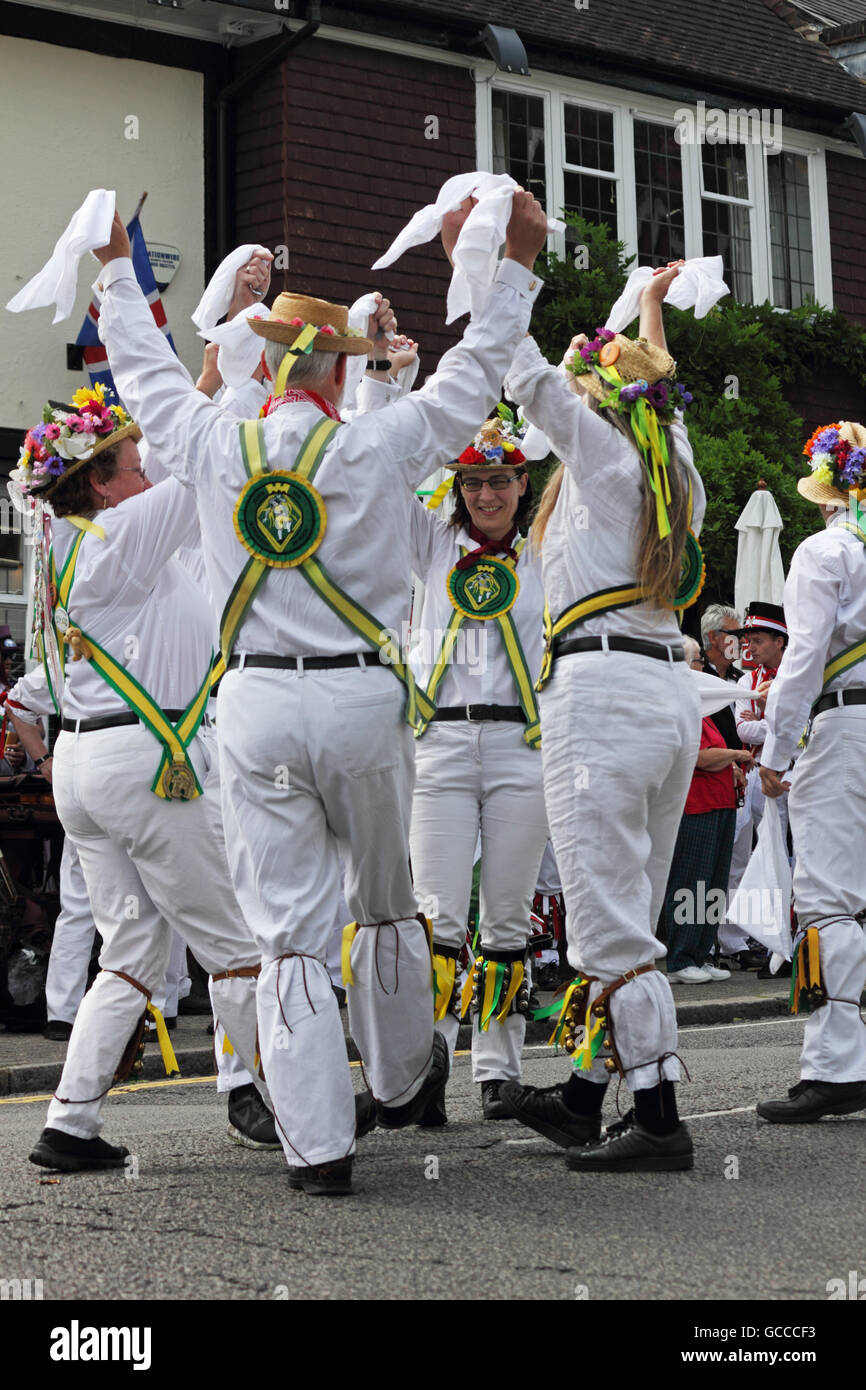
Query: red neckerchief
point(295, 393)
point(487, 546)
point(761, 673)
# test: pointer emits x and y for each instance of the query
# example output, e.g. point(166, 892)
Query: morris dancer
point(316, 758)
point(478, 766)
point(612, 524)
point(129, 770)
point(824, 672)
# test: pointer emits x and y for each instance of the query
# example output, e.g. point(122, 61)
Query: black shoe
point(783, 973)
point(548, 976)
point(365, 1113)
point(332, 1179)
point(493, 1107)
point(66, 1152)
point(56, 1030)
point(809, 1100)
point(195, 1004)
point(544, 1110)
point(629, 1148)
point(250, 1121)
point(435, 1114)
point(398, 1116)
point(752, 960)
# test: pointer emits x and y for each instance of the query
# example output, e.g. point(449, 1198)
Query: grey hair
point(713, 617)
point(692, 648)
point(309, 367)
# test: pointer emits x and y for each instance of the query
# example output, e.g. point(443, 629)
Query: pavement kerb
point(26, 1078)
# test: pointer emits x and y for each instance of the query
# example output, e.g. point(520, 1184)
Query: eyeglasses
point(140, 471)
point(499, 483)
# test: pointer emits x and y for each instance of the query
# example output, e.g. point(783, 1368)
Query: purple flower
point(657, 395)
point(605, 335)
point(631, 392)
point(826, 441)
point(586, 352)
point(686, 397)
point(854, 467)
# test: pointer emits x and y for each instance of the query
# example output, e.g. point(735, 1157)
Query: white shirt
point(135, 598)
point(366, 475)
point(825, 610)
point(480, 674)
point(751, 728)
point(590, 539)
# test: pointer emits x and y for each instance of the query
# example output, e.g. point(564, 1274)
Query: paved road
point(475, 1210)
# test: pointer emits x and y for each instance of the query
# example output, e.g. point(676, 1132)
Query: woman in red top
point(697, 888)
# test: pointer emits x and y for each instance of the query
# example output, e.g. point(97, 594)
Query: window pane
point(727, 233)
point(12, 556)
point(790, 229)
point(518, 140)
point(589, 138)
point(725, 170)
point(659, 188)
point(593, 198)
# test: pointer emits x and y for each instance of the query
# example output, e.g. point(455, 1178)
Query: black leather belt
point(841, 697)
point(513, 714)
point(111, 721)
point(566, 645)
point(307, 663)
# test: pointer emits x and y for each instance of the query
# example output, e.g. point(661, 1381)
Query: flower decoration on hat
point(835, 461)
point(496, 445)
point(635, 378)
point(67, 437)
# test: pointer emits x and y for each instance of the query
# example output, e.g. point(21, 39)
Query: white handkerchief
point(218, 295)
point(57, 281)
point(699, 285)
point(357, 366)
point(481, 236)
point(240, 348)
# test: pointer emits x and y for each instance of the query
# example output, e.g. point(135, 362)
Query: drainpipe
point(224, 102)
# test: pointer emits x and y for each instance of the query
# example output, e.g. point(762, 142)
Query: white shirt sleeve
point(427, 532)
point(140, 535)
point(811, 601)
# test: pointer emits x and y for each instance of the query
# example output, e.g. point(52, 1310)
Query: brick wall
point(846, 192)
point(354, 167)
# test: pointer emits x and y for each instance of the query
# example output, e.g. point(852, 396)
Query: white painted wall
point(62, 120)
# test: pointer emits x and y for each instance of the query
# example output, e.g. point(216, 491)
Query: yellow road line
point(145, 1086)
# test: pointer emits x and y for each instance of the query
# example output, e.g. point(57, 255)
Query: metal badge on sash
point(280, 518)
point(61, 620)
point(178, 782)
point(485, 589)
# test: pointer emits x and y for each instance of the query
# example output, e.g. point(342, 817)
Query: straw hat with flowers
point(292, 313)
point(837, 458)
point(68, 437)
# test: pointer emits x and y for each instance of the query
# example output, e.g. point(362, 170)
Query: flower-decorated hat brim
point(130, 431)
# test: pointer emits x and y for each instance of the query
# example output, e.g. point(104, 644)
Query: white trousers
point(318, 769)
point(827, 804)
point(72, 942)
point(149, 865)
point(620, 737)
point(470, 779)
point(231, 1071)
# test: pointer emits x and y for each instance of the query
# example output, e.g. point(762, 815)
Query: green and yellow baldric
point(602, 601)
point(510, 641)
point(850, 656)
point(60, 587)
point(175, 778)
point(280, 519)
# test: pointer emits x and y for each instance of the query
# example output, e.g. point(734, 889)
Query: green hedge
point(743, 363)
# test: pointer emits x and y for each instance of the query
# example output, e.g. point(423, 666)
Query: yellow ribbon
point(228, 1050)
point(468, 987)
point(444, 975)
point(517, 973)
point(349, 934)
point(169, 1060)
point(441, 493)
point(303, 343)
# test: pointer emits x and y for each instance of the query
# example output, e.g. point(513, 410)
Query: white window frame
point(626, 108)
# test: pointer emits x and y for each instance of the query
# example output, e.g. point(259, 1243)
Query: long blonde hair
point(658, 563)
